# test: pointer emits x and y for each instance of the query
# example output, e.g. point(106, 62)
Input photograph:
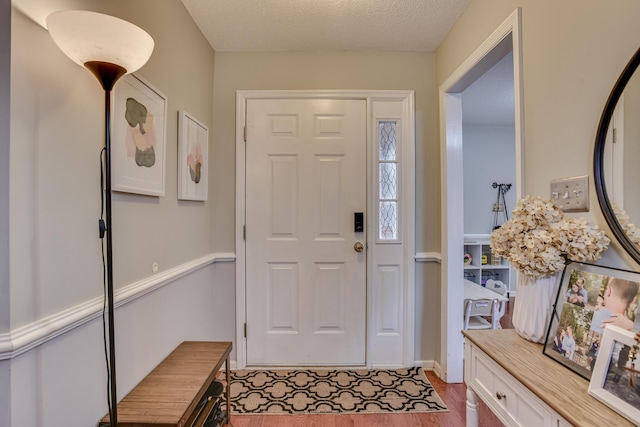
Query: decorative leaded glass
point(387, 140)
point(388, 181)
point(388, 220)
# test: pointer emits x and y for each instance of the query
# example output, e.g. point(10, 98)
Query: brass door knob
point(358, 246)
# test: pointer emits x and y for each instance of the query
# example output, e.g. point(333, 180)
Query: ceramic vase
point(533, 305)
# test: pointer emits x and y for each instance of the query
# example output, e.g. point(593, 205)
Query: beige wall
point(573, 52)
point(56, 134)
point(5, 106)
point(338, 70)
point(57, 131)
point(5, 283)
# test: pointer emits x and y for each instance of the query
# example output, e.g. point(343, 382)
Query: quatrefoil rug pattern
point(333, 391)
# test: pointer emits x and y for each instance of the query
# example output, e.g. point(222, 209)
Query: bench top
point(168, 395)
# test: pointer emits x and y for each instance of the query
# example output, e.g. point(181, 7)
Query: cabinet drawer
point(510, 400)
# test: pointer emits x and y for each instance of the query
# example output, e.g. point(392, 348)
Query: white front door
point(305, 282)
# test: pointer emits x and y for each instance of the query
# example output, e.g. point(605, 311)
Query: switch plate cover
point(571, 194)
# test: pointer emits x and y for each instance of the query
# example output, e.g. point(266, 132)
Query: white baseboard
point(438, 371)
point(427, 365)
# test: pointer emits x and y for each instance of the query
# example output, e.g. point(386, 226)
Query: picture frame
point(138, 149)
point(616, 378)
point(193, 160)
point(610, 296)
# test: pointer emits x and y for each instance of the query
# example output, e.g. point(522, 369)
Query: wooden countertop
point(559, 387)
point(168, 395)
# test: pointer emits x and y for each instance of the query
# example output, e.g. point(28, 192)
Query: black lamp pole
point(86, 36)
point(107, 74)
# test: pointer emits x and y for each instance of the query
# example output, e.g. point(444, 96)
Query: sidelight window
point(388, 181)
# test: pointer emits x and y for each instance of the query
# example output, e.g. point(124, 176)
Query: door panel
point(306, 286)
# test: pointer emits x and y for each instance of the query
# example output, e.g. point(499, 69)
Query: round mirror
point(617, 152)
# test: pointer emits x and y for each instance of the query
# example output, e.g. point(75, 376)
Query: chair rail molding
point(429, 257)
point(27, 337)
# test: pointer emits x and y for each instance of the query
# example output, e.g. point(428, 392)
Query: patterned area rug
point(333, 391)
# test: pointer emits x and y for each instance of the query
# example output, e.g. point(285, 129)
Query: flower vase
point(533, 305)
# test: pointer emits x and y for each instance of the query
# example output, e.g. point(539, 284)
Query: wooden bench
point(174, 393)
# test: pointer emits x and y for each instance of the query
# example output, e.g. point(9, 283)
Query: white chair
point(498, 287)
point(476, 313)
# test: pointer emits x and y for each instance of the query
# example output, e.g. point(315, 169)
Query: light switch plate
point(571, 194)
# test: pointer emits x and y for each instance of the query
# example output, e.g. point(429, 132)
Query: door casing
point(506, 37)
point(388, 343)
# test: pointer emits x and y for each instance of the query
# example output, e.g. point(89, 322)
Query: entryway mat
point(333, 391)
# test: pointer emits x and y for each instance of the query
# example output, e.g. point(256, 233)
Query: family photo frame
point(138, 149)
point(590, 298)
point(616, 379)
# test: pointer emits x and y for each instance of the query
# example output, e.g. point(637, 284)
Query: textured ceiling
point(325, 25)
point(353, 25)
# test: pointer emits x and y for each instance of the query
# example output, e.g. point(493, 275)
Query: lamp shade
point(94, 37)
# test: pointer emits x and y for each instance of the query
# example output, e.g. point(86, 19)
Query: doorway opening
point(505, 40)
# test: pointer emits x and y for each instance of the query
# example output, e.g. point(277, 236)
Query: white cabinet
point(480, 265)
point(506, 397)
point(526, 388)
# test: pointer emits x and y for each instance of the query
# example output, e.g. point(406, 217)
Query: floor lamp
point(110, 48)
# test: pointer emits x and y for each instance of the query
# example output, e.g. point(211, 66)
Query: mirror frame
point(598, 158)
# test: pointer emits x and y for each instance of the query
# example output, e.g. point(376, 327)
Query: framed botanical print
point(139, 137)
point(193, 162)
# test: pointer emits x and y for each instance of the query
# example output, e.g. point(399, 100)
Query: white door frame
point(390, 342)
point(506, 37)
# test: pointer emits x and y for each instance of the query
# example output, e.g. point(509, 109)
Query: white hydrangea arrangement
point(538, 238)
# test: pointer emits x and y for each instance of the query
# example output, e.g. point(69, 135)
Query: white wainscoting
point(27, 337)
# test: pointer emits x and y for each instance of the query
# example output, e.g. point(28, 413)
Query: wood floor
point(453, 395)
point(505, 321)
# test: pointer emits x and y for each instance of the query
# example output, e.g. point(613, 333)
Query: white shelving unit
point(479, 269)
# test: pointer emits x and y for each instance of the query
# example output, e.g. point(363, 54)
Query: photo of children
point(588, 301)
point(616, 377)
point(618, 296)
point(577, 294)
point(572, 340)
